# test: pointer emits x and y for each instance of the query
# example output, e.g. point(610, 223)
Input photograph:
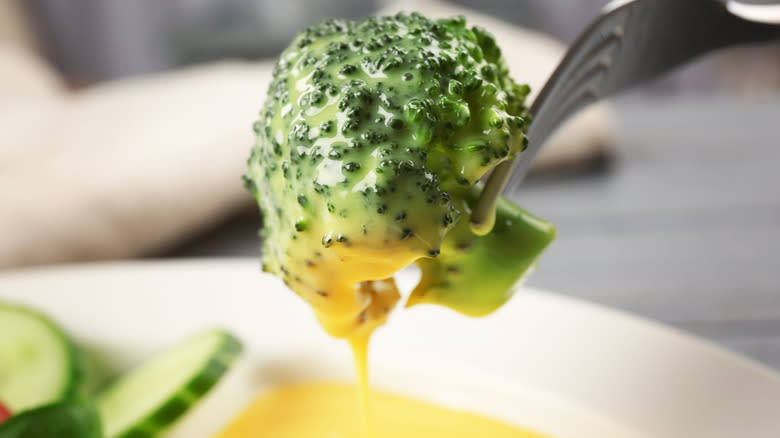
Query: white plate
point(560, 366)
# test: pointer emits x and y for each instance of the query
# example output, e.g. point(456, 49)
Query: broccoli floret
point(371, 134)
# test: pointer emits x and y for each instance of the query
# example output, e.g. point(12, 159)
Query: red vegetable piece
point(5, 413)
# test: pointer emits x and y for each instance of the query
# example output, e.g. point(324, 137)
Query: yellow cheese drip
point(350, 303)
point(322, 410)
point(349, 287)
point(360, 352)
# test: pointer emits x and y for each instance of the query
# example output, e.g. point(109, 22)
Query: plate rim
point(639, 321)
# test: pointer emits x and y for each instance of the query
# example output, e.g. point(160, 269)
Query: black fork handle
point(590, 70)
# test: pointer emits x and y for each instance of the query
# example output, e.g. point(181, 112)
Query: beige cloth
point(133, 166)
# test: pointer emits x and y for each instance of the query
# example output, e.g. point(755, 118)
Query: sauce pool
point(329, 410)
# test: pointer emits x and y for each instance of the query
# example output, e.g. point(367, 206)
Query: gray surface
point(683, 227)
point(686, 226)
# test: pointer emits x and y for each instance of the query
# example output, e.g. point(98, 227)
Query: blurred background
point(95, 40)
point(125, 126)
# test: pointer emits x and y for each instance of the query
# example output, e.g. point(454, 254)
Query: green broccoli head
point(369, 132)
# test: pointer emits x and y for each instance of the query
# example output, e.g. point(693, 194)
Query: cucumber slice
point(72, 419)
point(38, 363)
point(151, 397)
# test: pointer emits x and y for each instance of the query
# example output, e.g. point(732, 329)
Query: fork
point(631, 42)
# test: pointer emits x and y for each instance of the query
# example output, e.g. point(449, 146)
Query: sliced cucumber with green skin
point(70, 419)
point(150, 398)
point(38, 363)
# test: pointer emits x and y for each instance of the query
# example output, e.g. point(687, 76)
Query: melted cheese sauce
point(349, 287)
point(351, 304)
point(355, 307)
point(351, 291)
point(360, 353)
point(321, 410)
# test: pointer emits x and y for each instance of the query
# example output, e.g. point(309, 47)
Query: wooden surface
point(682, 227)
